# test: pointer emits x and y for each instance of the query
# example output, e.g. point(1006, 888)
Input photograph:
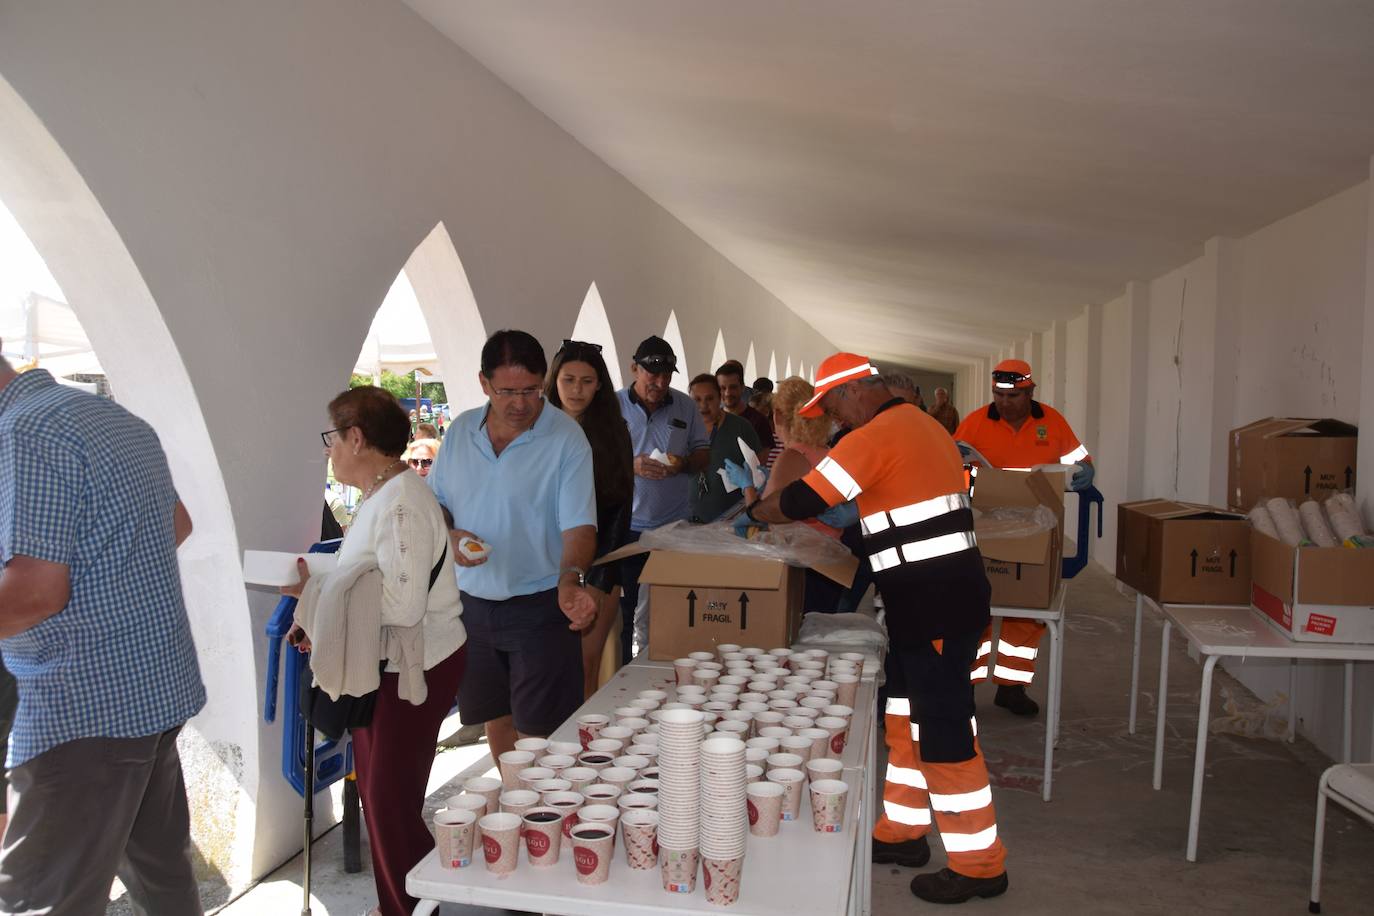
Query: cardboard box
point(1023, 571)
point(698, 600)
point(1183, 553)
point(1313, 594)
point(1299, 459)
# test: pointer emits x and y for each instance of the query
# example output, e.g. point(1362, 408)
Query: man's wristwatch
point(581, 574)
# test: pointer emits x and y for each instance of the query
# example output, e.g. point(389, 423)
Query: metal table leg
point(1135, 662)
point(426, 908)
point(1204, 710)
point(1348, 718)
point(1051, 717)
point(1162, 702)
point(1059, 673)
point(1292, 700)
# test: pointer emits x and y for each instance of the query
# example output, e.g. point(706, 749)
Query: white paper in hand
point(729, 484)
point(278, 568)
point(658, 456)
point(751, 460)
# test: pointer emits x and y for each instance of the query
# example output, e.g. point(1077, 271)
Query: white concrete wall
point(270, 167)
point(1275, 323)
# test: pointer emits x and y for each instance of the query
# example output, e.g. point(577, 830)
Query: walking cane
point(309, 811)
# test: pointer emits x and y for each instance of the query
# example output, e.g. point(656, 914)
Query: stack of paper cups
point(679, 797)
point(724, 818)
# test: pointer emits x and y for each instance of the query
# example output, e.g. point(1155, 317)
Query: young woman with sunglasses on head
point(580, 385)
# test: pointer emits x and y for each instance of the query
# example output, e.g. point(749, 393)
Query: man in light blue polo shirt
point(517, 476)
point(665, 420)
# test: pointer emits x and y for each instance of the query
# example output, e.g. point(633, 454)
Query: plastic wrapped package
point(847, 632)
point(1263, 521)
point(1314, 524)
point(795, 545)
point(1345, 518)
point(1286, 521)
point(1013, 521)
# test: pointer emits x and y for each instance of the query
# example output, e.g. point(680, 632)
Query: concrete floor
point(1107, 843)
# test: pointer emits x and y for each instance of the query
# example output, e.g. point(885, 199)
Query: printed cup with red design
point(510, 764)
point(591, 851)
point(764, 801)
point(639, 831)
point(792, 782)
point(838, 730)
point(721, 878)
point(589, 727)
point(500, 841)
point(828, 797)
point(454, 833)
point(543, 832)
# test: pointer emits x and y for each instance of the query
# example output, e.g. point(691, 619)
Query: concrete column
point(1364, 481)
point(1035, 355)
point(1224, 255)
point(1135, 374)
point(1058, 333)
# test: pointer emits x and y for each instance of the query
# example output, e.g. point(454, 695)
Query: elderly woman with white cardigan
point(397, 541)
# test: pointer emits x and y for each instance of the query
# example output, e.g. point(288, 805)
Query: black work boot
point(1012, 697)
point(908, 853)
point(945, 886)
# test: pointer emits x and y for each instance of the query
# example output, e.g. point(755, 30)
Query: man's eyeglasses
point(1008, 379)
point(527, 394)
point(330, 436)
point(420, 462)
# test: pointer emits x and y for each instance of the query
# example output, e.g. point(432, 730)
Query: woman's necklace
point(377, 481)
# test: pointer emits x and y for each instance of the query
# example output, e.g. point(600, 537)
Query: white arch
point(751, 366)
point(718, 355)
point(594, 327)
point(787, 372)
point(222, 746)
point(441, 286)
point(673, 335)
point(773, 366)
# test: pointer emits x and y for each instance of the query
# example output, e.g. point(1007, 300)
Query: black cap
point(656, 355)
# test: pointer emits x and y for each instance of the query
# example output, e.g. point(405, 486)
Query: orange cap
point(833, 372)
point(1012, 373)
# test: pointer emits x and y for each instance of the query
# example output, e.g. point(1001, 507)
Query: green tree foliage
point(403, 386)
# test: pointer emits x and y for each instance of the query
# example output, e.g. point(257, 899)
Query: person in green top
point(709, 497)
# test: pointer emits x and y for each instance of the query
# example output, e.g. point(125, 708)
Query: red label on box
point(1321, 625)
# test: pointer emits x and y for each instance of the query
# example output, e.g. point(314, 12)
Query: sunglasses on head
point(578, 344)
point(420, 462)
point(1008, 379)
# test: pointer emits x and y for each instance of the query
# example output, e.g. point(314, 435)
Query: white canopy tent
point(399, 339)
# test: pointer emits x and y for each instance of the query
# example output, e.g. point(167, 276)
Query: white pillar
point(1364, 480)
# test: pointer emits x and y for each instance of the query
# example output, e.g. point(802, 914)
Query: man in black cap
point(671, 447)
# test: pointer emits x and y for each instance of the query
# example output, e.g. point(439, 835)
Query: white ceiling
point(923, 180)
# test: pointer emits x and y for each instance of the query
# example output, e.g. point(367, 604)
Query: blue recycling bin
point(1086, 500)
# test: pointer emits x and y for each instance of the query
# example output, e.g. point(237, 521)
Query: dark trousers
point(393, 757)
point(89, 809)
point(630, 568)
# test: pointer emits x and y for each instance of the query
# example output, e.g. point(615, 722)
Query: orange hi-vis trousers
point(956, 793)
point(1012, 661)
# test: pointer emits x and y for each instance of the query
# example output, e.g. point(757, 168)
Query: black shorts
point(523, 662)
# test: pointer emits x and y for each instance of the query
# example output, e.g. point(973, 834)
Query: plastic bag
point(847, 632)
point(1014, 521)
point(795, 545)
point(1254, 720)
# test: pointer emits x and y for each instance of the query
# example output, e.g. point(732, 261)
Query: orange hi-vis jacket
point(1045, 438)
point(906, 475)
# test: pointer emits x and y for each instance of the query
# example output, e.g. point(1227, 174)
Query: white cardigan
point(401, 528)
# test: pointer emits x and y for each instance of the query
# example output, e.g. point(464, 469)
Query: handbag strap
point(438, 567)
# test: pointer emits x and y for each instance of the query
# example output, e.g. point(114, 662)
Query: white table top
point(1238, 631)
point(797, 872)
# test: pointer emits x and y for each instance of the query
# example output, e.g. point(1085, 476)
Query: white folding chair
point(1350, 785)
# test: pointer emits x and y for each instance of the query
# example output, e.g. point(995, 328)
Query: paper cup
point(612, 747)
point(500, 841)
point(784, 762)
point(566, 748)
point(828, 797)
point(777, 732)
point(679, 869)
point(639, 832)
point(846, 688)
point(530, 775)
point(557, 762)
point(570, 803)
point(753, 772)
point(701, 656)
point(454, 832)
point(619, 776)
point(682, 670)
point(764, 802)
point(823, 768)
point(820, 741)
point(797, 723)
point(579, 777)
point(632, 800)
point(533, 745)
point(596, 760)
point(510, 764)
point(607, 815)
point(602, 793)
point(545, 786)
point(722, 879)
point(543, 831)
point(791, 782)
point(839, 711)
point(591, 849)
point(629, 762)
point(838, 729)
point(757, 755)
point(589, 727)
point(797, 744)
point(616, 733)
point(488, 788)
point(518, 801)
point(477, 804)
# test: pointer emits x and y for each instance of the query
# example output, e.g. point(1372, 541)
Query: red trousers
point(393, 757)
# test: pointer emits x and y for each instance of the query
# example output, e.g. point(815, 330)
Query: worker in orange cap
point(1017, 432)
point(902, 469)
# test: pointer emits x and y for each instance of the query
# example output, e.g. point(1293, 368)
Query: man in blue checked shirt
point(93, 627)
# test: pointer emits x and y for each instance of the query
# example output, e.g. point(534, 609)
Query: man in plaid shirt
point(93, 627)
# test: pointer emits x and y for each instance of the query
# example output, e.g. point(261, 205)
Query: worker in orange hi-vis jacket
point(899, 472)
point(1017, 432)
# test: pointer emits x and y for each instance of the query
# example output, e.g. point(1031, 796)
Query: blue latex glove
point(743, 523)
point(842, 516)
point(740, 475)
point(1083, 477)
